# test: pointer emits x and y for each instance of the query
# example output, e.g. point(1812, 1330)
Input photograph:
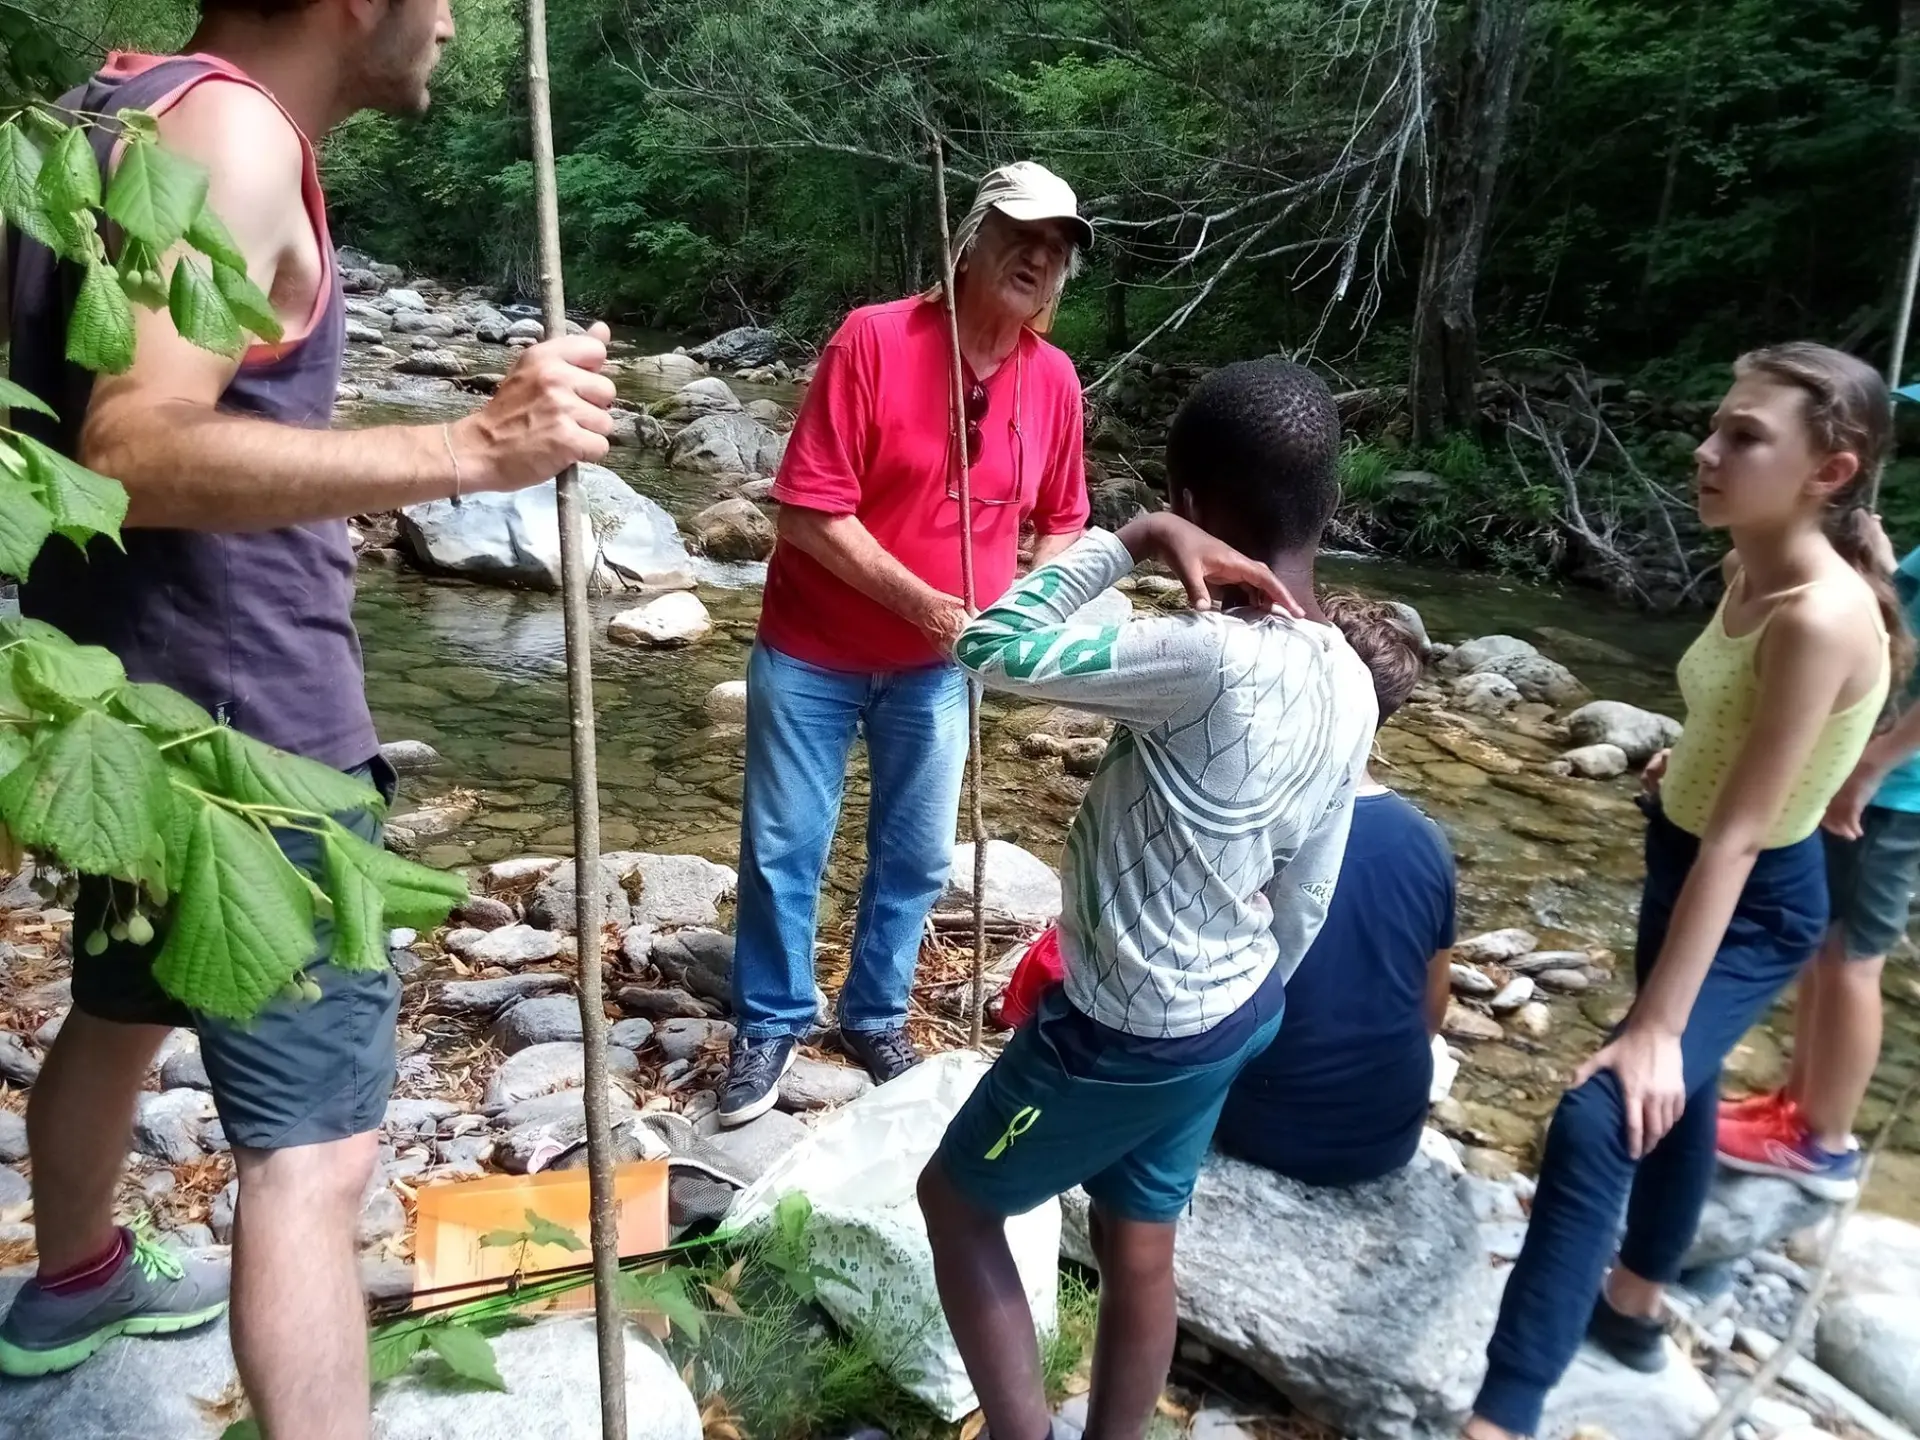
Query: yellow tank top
point(1720, 683)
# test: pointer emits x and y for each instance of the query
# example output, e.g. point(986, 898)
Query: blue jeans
point(801, 723)
point(1586, 1174)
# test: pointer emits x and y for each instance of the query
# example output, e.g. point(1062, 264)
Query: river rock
point(361, 333)
point(483, 912)
point(744, 348)
point(134, 1389)
point(1496, 947)
point(1485, 695)
point(13, 1138)
point(1563, 982)
point(1536, 678)
point(541, 1365)
point(772, 414)
point(1471, 656)
point(1534, 1020)
point(542, 1069)
point(1473, 983)
point(675, 369)
point(1368, 1306)
point(756, 1147)
point(400, 299)
point(410, 757)
point(731, 443)
point(1415, 625)
point(709, 395)
point(15, 1190)
point(700, 961)
point(670, 621)
point(514, 539)
point(487, 997)
point(726, 703)
point(1639, 733)
point(527, 328)
point(1082, 757)
point(185, 1070)
point(734, 530)
point(630, 1034)
point(1600, 1396)
point(1514, 994)
point(1464, 1023)
point(662, 1002)
point(559, 1105)
point(684, 1039)
point(510, 947)
point(382, 1218)
point(1745, 1213)
point(490, 327)
point(167, 1126)
point(539, 1021)
point(1021, 887)
point(417, 322)
point(18, 1064)
point(555, 899)
point(1879, 1255)
point(638, 430)
point(1596, 762)
point(508, 874)
point(410, 1117)
point(1871, 1343)
point(439, 364)
point(821, 1085)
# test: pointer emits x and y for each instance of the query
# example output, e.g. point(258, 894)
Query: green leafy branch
point(132, 782)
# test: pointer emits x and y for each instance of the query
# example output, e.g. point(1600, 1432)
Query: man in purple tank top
point(236, 588)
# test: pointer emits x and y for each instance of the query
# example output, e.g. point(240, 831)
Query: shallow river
point(478, 673)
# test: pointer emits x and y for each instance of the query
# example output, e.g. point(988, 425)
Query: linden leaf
point(200, 312)
point(161, 711)
point(155, 194)
point(242, 922)
point(359, 936)
point(247, 303)
point(65, 677)
point(92, 793)
point(241, 768)
point(83, 503)
point(25, 525)
point(468, 1354)
point(412, 896)
point(100, 331)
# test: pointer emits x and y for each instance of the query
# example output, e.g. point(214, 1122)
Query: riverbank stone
point(1021, 887)
point(745, 347)
point(1495, 947)
point(756, 1147)
point(698, 961)
point(1484, 695)
point(543, 1069)
point(1596, 762)
point(1871, 1343)
point(1745, 1213)
point(487, 997)
point(510, 947)
point(1600, 1395)
point(1471, 655)
point(538, 1021)
point(819, 1085)
point(728, 443)
point(1394, 1350)
point(1639, 733)
point(726, 703)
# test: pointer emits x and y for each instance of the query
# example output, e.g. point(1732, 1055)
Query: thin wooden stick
point(958, 422)
point(1771, 1369)
point(575, 568)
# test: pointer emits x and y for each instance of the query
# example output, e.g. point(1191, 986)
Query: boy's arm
point(1140, 672)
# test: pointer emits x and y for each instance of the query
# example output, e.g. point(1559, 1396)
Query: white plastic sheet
point(858, 1170)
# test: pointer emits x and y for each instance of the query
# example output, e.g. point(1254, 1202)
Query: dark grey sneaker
point(754, 1071)
point(157, 1292)
point(885, 1054)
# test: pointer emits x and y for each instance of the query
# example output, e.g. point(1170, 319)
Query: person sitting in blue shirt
point(1341, 1095)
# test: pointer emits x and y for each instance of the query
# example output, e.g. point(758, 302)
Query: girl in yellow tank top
point(1783, 689)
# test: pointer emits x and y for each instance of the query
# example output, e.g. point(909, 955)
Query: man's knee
point(328, 1180)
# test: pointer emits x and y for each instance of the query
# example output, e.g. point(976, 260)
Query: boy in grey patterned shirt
point(1197, 873)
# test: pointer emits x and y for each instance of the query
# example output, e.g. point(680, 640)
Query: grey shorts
point(302, 1072)
point(1870, 881)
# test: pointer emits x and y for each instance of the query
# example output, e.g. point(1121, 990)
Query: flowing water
point(478, 673)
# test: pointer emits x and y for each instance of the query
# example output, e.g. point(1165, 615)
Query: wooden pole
point(575, 567)
point(958, 425)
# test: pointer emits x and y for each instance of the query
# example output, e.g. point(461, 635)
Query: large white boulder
point(1020, 886)
point(514, 539)
point(727, 443)
point(1611, 722)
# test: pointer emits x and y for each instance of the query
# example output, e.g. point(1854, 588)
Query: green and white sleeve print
point(1140, 673)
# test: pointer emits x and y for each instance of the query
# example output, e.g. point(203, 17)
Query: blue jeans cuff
point(1510, 1400)
point(872, 1027)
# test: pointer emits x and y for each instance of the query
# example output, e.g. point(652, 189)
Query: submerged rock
point(514, 538)
point(671, 620)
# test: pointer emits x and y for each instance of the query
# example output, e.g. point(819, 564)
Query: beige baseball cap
point(1027, 190)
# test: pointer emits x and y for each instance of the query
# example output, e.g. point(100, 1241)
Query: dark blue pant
point(1586, 1174)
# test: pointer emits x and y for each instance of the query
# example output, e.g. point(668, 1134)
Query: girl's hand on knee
point(1652, 1079)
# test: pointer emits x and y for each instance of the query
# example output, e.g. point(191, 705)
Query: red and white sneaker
point(1752, 1107)
point(1776, 1142)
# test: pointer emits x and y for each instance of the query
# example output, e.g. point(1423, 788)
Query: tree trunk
point(1469, 143)
point(1119, 340)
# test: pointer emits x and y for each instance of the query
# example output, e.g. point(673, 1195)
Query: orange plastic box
point(450, 1219)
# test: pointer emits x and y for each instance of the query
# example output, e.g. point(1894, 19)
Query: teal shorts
point(1047, 1117)
point(1870, 881)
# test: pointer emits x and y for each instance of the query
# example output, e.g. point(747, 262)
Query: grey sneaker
point(157, 1292)
point(754, 1072)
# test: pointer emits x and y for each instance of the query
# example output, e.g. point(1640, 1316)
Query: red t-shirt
point(872, 440)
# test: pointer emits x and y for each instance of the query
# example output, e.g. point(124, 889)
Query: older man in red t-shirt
point(863, 605)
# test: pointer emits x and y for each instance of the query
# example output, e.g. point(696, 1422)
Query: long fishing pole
point(957, 398)
point(609, 1322)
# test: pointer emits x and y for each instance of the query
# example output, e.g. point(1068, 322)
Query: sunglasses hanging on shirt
point(978, 402)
